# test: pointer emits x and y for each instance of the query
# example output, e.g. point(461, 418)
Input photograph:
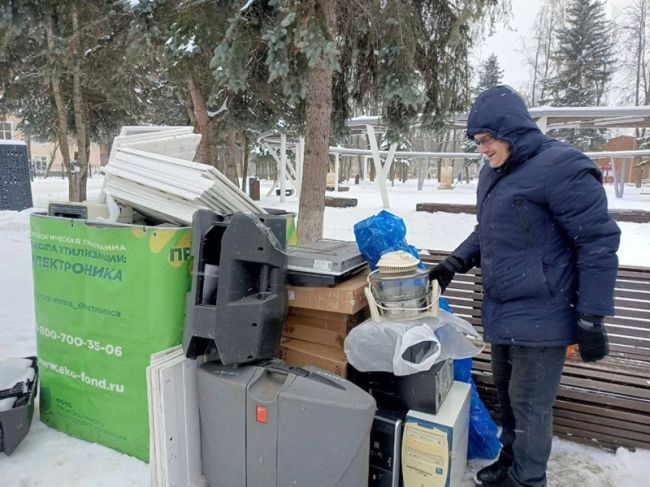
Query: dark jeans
point(527, 379)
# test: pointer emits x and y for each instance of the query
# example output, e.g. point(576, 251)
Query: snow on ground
point(445, 231)
point(50, 458)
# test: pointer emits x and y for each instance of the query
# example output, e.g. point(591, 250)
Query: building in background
point(41, 154)
point(635, 169)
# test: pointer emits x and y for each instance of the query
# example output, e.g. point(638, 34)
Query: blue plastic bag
point(444, 305)
point(381, 233)
point(483, 440)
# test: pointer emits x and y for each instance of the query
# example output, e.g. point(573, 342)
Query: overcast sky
point(507, 42)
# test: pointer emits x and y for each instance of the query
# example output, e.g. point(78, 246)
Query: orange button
point(261, 414)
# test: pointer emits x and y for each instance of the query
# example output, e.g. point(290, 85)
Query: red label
point(261, 414)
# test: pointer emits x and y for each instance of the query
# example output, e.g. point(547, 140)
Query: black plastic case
point(238, 300)
point(424, 391)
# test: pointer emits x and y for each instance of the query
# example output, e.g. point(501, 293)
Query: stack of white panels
point(174, 432)
point(179, 142)
point(147, 172)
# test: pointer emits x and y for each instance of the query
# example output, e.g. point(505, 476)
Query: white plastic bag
point(416, 350)
point(407, 347)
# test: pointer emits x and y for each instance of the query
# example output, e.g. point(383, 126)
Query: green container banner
point(106, 298)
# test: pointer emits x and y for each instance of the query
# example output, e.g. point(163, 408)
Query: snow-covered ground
point(49, 458)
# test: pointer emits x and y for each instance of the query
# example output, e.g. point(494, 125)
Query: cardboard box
point(321, 326)
point(314, 335)
point(326, 319)
point(299, 353)
point(346, 297)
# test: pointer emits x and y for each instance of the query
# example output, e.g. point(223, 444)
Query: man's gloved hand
point(444, 272)
point(591, 337)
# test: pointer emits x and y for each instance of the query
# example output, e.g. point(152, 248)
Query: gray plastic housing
point(238, 300)
point(325, 256)
point(316, 431)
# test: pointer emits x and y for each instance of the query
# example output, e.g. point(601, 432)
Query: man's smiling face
point(497, 151)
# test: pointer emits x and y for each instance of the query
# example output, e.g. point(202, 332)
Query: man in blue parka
point(547, 247)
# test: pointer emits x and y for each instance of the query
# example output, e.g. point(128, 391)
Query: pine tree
point(182, 35)
point(405, 58)
point(490, 74)
point(586, 63)
point(64, 73)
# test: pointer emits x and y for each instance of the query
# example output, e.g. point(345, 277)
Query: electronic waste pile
point(260, 392)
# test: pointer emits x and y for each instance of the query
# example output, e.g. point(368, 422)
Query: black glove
point(444, 272)
point(591, 337)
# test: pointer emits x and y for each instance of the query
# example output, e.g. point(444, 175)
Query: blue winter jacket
point(544, 241)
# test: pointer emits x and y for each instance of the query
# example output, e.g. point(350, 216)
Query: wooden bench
point(603, 404)
point(340, 202)
point(618, 214)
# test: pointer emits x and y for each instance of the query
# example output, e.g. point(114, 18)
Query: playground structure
point(290, 170)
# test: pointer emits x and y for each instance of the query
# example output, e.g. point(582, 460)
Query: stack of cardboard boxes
point(319, 320)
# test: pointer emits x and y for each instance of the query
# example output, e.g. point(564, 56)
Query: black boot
point(495, 472)
point(504, 482)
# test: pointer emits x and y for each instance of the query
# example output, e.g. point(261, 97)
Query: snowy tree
point(585, 58)
point(180, 36)
point(539, 54)
point(404, 58)
point(634, 28)
point(490, 74)
point(60, 74)
point(183, 35)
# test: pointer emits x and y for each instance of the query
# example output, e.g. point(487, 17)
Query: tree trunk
point(547, 55)
point(244, 171)
point(317, 135)
point(104, 153)
point(79, 176)
point(207, 153)
point(536, 67)
point(61, 115)
point(52, 157)
point(231, 156)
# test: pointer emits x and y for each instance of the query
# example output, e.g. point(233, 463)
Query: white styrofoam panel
point(147, 201)
point(167, 160)
point(231, 200)
point(180, 423)
point(153, 395)
point(179, 146)
point(167, 214)
point(158, 162)
point(174, 420)
point(146, 133)
point(165, 187)
point(129, 130)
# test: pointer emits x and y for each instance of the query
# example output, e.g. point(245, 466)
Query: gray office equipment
point(238, 301)
point(423, 391)
point(325, 256)
point(277, 426)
